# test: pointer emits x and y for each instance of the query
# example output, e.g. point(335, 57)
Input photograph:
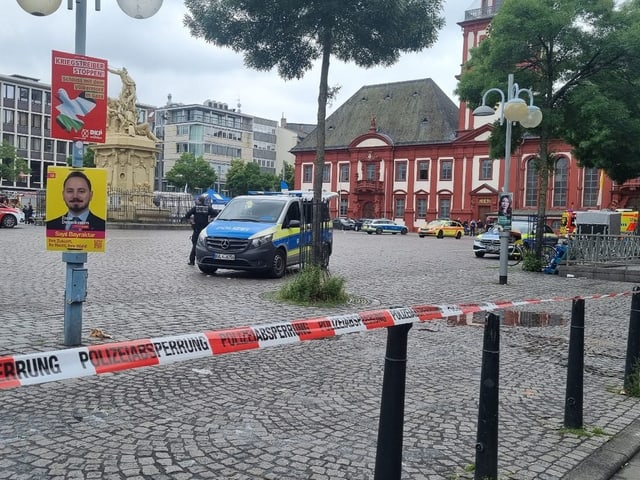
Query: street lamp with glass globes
point(514, 109)
point(77, 285)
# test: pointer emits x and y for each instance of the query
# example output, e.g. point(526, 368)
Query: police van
point(264, 233)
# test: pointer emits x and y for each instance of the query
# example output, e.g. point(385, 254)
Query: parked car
point(489, 242)
point(10, 217)
point(344, 224)
point(441, 228)
point(384, 225)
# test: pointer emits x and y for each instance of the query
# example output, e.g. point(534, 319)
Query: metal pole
point(76, 281)
point(504, 233)
point(487, 436)
point(389, 453)
point(573, 403)
point(632, 364)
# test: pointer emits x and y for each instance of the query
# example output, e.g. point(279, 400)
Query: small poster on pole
point(504, 210)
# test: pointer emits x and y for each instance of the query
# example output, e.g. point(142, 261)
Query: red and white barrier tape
point(35, 368)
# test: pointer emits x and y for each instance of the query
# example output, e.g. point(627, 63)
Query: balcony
point(484, 12)
point(369, 186)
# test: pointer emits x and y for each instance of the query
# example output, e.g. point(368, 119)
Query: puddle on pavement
point(510, 318)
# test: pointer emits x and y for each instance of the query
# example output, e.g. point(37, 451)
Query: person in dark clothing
point(199, 215)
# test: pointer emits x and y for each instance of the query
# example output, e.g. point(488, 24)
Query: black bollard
point(573, 400)
point(390, 429)
point(487, 437)
point(633, 341)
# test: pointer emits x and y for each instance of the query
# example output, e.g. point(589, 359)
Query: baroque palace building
point(405, 151)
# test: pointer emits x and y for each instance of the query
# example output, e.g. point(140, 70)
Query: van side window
point(293, 213)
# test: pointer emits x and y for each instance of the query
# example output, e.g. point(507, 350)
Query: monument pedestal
point(130, 162)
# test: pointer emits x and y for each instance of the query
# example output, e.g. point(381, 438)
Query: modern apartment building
point(25, 108)
point(264, 144)
point(211, 130)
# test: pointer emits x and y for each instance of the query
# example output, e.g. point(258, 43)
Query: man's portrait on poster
point(77, 195)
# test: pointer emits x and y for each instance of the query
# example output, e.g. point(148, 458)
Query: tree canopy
point(292, 35)
point(192, 172)
point(243, 177)
point(580, 58)
point(11, 166)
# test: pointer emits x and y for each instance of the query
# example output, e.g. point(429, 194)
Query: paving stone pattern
point(304, 411)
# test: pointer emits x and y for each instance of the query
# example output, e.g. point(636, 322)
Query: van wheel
point(278, 264)
point(207, 269)
point(440, 234)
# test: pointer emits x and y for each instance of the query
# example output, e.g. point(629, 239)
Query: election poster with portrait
point(78, 97)
point(505, 211)
point(76, 211)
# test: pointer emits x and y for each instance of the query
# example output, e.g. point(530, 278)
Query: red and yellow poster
point(78, 97)
point(76, 209)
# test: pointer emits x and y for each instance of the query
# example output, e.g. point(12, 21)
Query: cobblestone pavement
point(303, 411)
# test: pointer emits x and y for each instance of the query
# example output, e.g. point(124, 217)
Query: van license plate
point(224, 256)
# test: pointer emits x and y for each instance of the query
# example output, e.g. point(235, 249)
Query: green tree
point(192, 172)
point(562, 50)
point(292, 35)
point(11, 166)
point(289, 174)
point(243, 177)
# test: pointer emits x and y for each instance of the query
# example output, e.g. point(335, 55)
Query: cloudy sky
point(163, 59)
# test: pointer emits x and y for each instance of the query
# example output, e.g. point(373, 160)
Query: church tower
point(474, 29)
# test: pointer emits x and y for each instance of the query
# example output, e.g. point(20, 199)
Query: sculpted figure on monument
point(122, 112)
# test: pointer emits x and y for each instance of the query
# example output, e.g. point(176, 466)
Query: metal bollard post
point(487, 436)
point(573, 400)
point(390, 429)
point(633, 340)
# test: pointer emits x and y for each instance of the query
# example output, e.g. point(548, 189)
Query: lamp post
point(514, 109)
point(76, 280)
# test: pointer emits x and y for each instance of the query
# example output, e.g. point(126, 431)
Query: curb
point(607, 460)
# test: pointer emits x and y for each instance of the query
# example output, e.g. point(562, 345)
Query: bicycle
point(520, 249)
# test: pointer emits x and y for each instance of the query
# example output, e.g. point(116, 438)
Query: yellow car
point(442, 228)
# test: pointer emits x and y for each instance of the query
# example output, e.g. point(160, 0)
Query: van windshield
point(250, 209)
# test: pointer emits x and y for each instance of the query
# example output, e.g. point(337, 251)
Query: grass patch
point(314, 285)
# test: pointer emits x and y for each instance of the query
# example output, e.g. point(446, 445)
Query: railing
point(371, 186)
point(585, 249)
point(484, 12)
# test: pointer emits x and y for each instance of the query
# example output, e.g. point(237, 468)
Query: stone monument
point(128, 154)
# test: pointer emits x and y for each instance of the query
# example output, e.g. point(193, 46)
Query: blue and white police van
point(264, 233)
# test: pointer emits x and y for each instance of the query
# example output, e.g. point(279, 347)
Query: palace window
point(446, 169)
point(423, 170)
point(560, 183)
point(399, 203)
point(444, 207)
point(421, 207)
point(531, 194)
point(307, 173)
point(486, 169)
point(326, 173)
point(344, 172)
point(401, 172)
point(591, 187)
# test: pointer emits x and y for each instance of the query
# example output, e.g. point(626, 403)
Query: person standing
point(199, 215)
point(472, 228)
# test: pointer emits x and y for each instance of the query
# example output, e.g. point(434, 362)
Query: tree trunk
point(316, 237)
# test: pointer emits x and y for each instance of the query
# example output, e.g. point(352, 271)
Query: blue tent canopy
point(216, 198)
